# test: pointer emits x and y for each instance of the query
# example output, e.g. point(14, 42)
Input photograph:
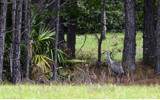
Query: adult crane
point(116, 67)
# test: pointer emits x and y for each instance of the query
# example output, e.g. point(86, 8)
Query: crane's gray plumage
point(115, 67)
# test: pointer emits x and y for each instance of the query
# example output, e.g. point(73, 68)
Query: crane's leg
point(120, 78)
point(132, 77)
point(115, 77)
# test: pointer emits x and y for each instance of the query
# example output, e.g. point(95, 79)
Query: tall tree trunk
point(149, 31)
point(17, 20)
point(71, 33)
point(3, 14)
point(129, 50)
point(103, 21)
point(13, 32)
point(99, 51)
point(53, 8)
point(103, 32)
point(157, 62)
point(27, 26)
point(56, 44)
point(71, 38)
point(61, 39)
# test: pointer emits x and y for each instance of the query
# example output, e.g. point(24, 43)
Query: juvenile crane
point(116, 67)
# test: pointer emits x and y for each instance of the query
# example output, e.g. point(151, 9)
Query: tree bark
point(149, 31)
point(13, 32)
point(103, 32)
point(71, 38)
point(3, 14)
point(16, 35)
point(99, 51)
point(53, 8)
point(103, 21)
point(129, 50)
point(27, 28)
point(157, 62)
point(56, 44)
point(61, 39)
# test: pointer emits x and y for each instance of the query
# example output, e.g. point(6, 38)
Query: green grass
point(113, 43)
point(79, 92)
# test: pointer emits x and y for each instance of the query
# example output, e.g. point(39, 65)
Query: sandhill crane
point(116, 67)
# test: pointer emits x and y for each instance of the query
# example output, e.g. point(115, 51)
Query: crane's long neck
point(111, 61)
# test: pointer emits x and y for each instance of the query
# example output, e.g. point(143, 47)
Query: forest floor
point(145, 74)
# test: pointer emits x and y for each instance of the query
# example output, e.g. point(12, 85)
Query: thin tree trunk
point(26, 40)
point(13, 32)
point(56, 44)
point(129, 50)
point(3, 14)
point(11, 66)
point(17, 20)
point(157, 62)
point(99, 51)
point(103, 32)
point(103, 21)
point(149, 31)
